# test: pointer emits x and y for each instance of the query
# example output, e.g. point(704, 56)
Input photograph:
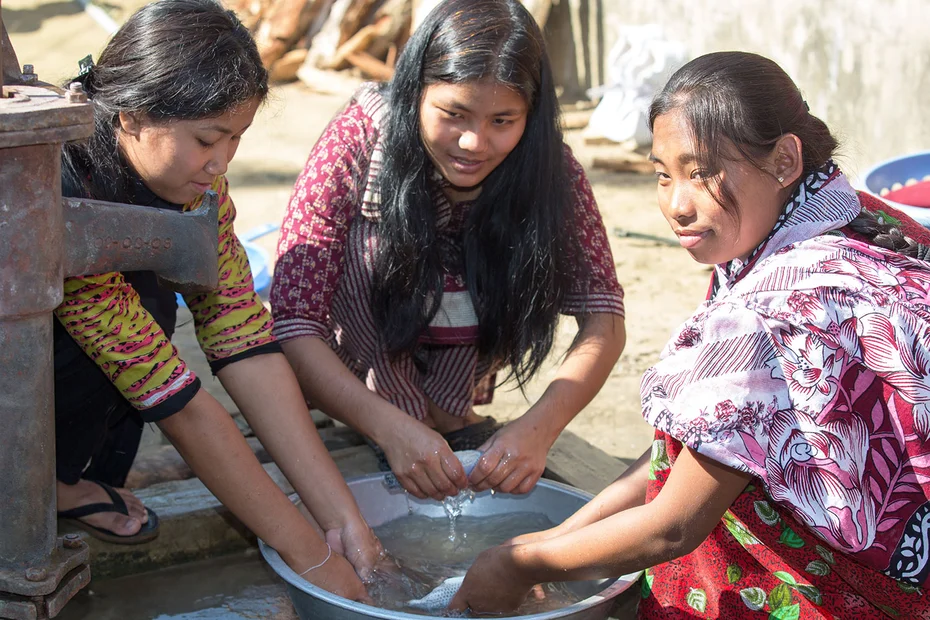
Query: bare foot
point(86, 492)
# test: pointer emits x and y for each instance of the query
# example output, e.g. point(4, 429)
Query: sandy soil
point(663, 285)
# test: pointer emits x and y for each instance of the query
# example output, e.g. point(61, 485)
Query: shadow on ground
point(18, 21)
point(255, 174)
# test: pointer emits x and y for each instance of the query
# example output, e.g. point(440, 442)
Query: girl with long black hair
point(173, 93)
point(438, 230)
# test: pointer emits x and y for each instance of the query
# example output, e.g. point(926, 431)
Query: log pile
point(331, 45)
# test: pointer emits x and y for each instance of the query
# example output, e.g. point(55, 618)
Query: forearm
point(581, 375)
point(333, 388)
point(209, 441)
point(267, 394)
point(616, 545)
point(626, 492)
point(695, 497)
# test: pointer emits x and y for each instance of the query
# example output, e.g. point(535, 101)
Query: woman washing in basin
point(173, 93)
point(438, 230)
point(791, 467)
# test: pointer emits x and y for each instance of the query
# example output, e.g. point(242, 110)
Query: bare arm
point(419, 456)
point(516, 456)
point(627, 491)
point(214, 448)
point(697, 494)
point(267, 394)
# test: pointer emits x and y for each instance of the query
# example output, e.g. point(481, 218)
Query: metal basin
point(379, 504)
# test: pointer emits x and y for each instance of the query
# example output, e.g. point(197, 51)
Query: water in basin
point(427, 554)
point(382, 504)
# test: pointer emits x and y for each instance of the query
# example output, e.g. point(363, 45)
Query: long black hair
point(748, 101)
point(519, 237)
point(172, 60)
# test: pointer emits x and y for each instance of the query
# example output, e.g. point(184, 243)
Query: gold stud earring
point(781, 179)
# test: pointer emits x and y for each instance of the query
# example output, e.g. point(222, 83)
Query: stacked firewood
point(338, 41)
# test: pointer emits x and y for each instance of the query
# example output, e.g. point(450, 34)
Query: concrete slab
point(238, 587)
point(194, 525)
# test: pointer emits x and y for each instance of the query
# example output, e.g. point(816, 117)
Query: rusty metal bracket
point(37, 114)
point(102, 237)
point(16, 607)
point(45, 580)
point(41, 592)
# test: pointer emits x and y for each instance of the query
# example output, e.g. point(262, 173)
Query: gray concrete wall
point(863, 65)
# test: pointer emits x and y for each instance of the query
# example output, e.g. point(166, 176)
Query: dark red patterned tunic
point(322, 281)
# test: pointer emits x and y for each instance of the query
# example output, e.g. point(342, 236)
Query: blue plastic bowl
point(900, 170)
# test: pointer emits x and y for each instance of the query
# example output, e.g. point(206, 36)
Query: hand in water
point(513, 460)
point(336, 575)
point(423, 462)
point(359, 545)
point(492, 584)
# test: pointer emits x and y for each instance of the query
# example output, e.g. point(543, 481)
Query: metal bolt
point(76, 93)
point(29, 75)
point(36, 574)
point(72, 541)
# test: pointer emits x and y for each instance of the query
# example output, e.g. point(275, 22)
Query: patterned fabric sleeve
point(104, 315)
point(231, 322)
point(719, 385)
point(312, 246)
point(596, 289)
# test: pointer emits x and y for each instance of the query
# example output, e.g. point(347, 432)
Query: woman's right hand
point(337, 576)
point(359, 545)
point(423, 462)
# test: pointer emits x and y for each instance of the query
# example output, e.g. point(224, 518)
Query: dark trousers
point(97, 431)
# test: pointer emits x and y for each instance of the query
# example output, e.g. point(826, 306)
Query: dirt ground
point(662, 284)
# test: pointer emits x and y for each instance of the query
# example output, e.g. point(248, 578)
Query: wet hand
point(513, 460)
point(423, 462)
point(327, 570)
point(492, 585)
point(359, 545)
point(336, 575)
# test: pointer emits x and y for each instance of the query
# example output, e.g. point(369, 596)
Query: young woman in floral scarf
point(790, 472)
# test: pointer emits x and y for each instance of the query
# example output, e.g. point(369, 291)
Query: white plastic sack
point(638, 66)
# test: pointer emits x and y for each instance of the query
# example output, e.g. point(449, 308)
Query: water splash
point(454, 507)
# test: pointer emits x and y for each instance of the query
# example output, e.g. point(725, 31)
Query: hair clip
point(806, 107)
point(85, 65)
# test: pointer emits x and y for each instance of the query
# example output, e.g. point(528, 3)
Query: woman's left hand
point(359, 545)
point(492, 584)
point(513, 460)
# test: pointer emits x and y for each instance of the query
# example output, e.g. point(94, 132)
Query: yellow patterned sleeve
point(231, 322)
point(104, 315)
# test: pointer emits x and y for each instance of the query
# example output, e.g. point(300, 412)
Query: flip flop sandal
point(73, 516)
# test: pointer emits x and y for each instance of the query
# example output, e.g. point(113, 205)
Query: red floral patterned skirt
point(761, 562)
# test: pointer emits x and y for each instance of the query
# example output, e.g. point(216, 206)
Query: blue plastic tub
point(885, 175)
